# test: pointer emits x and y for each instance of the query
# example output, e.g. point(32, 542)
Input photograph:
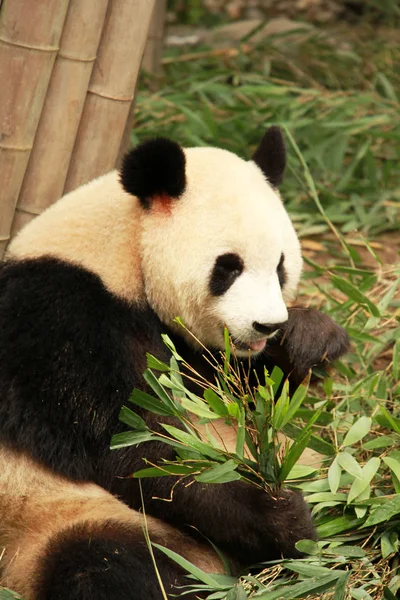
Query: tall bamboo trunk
point(151, 63)
point(55, 137)
point(30, 32)
point(111, 90)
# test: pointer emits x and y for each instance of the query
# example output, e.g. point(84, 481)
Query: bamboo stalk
point(29, 40)
point(111, 90)
point(155, 40)
point(151, 62)
point(62, 110)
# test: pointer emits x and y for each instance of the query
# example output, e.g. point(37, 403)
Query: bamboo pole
point(30, 32)
point(55, 137)
point(155, 40)
point(151, 62)
point(111, 90)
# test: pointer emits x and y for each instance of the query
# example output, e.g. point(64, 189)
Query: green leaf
point(150, 403)
point(349, 464)
point(164, 471)
point(315, 443)
point(155, 363)
point(6, 594)
point(192, 441)
point(277, 377)
point(220, 473)
point(193, 570)
point(389, 543)
point(170, 344)
point(360, 483)
point(130, 418)
point(352, 292)
point(393, 464)
point(386, 511)
point(303, 589)
point(130, 438)
point(388, 594)
point(216, 403)
point(341, 585)
point(334, 475)
point(352, 551)
point(241, 435)
point(198, 408)
point(297, 448)
point(300, 471)
point(294, 404)
point(307, 547)
point(358, 430)
point(227, 357)
point(156, 386)
point(338, 525)
point(380, 442)
point(281, 407)
point(387, 420)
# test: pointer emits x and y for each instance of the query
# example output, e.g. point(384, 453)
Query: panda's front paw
point(284, 520)
point(311, 338)
point(269, 524)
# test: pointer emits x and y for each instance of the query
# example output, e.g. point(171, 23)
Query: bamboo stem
point(151, 62)
point(155, 41)
point(29, 40)
point(62, 110)
point(111, 90)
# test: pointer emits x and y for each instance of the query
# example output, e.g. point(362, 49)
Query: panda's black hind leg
point(103, 562)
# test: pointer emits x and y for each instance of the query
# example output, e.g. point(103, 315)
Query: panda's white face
point(225, 253)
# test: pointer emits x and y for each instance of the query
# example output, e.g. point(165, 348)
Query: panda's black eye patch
point(226, 269)
point(281, 271)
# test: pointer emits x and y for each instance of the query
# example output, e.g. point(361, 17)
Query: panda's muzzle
point(268, 329)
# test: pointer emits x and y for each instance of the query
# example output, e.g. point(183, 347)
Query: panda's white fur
point(124, 244)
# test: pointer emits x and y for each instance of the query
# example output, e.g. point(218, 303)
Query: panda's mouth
point(255, 346)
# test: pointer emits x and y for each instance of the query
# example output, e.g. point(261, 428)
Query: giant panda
point(86, 290)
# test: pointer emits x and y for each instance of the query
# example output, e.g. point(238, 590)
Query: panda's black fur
point(70, 354)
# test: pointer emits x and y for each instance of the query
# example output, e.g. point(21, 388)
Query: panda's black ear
point(155, 168)
point(270, 155)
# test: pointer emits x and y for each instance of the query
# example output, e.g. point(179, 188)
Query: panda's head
point(218, 247)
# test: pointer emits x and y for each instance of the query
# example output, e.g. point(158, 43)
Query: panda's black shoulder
point(70, 354)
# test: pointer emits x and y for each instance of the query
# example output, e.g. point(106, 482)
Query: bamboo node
point(30, 46)
point(15, 148)
point(67, 56)
point(30, 210)
point(110, 97)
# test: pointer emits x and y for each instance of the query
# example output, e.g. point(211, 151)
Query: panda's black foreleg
point(104, 561)
point(250, 524)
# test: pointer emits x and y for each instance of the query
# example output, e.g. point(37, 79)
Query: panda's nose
point(267, 328)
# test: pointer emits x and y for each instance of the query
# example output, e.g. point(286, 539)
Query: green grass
point(337, 96)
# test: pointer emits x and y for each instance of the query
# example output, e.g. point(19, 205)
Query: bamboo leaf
point(357, 431)
point(193, 570)
point(130, 438)
point(220, 473)
point(334, 475)
point(360, 483)
point(355, 294)
point(130, 418)
point(150, 403)
point(389, 509)
point(349, 464)
point(192, 441)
